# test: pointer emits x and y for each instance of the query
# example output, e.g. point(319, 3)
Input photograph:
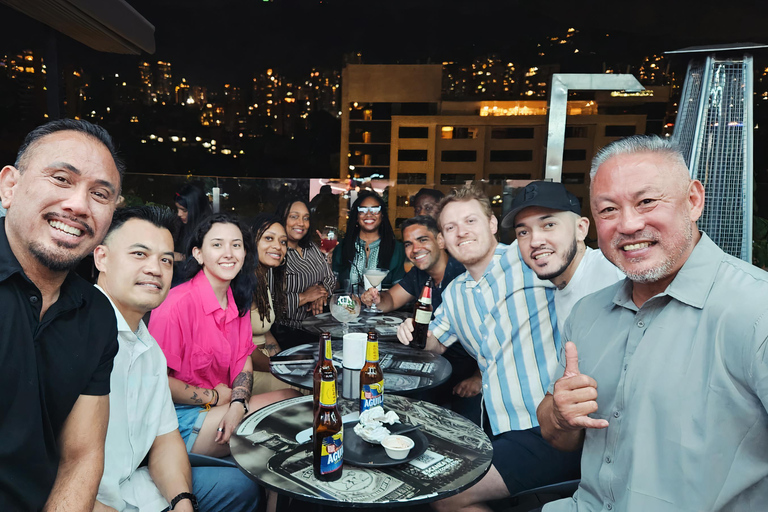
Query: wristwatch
point(242, 401)
point(185, 496)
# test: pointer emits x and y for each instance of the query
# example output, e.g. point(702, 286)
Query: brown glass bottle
point(422, 316)
point(328, 433)
point(324, 364)
point(371, 376)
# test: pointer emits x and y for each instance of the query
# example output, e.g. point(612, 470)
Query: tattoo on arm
point(195, 398)
point(241, 387)
point(272, 348)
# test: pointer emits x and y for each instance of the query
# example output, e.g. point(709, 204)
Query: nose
point(630, 221)
point(76, 201)
point(537, 238)
point(152, 267)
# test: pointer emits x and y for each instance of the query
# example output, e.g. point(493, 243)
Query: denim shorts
point(191, 418)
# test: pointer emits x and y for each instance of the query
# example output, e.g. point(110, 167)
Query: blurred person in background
point(425, 202)
point(192, 206)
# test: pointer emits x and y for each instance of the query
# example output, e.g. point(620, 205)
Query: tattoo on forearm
point(272, 348)
point(196, 399)
point(241, 387)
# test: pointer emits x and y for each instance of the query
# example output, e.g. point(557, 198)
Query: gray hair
point(639, 144)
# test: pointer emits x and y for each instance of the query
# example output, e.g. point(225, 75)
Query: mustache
point(620, 240)
point(56, 216)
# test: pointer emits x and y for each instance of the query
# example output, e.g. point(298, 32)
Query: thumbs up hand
point(575, 396)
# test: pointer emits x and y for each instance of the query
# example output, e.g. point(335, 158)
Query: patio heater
point(714, 129)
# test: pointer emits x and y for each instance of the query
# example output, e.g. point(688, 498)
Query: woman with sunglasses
point(309, 280)
point(204, 330)
point(369, 242)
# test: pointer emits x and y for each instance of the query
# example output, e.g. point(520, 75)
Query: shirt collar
point(693, 281)
point(208, 298)
point(9, 265)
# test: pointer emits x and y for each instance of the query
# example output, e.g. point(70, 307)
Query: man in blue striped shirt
point(504, 316)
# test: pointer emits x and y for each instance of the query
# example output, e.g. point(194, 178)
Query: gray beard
point(654, 274)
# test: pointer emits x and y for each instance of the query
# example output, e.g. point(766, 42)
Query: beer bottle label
point(372, 352)
point(327, 393)
point(423, 317)
point(371, 395)
point(328, 352)
point(332, 453)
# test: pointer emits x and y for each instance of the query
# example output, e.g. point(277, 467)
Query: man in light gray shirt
point(665, 379)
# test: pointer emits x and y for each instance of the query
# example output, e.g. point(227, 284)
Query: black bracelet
point(242, 401)
point(184, 496)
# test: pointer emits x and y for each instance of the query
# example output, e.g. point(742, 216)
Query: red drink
point(327, 244)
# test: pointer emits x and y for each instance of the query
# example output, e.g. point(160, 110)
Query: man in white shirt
point(550, 233)
point(135, 263)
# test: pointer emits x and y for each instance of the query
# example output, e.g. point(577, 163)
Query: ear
point(100, 254)
point(9, 178)
point(440, 241)
point(582, 228)
point(696, 199)
point(198, 255)
point(494, 224)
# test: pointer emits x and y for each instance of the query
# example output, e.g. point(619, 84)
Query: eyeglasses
point(373, 210)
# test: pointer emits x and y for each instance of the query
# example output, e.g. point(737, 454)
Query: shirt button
point(625, 367)
point(33, 299)
point(607, 460)
point(616, 414)
point(641, 324)
point(609, 506)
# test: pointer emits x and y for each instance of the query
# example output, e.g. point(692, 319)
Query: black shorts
point(526, 461)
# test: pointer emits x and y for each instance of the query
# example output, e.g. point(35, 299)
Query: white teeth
point(227, 264)
point(542, 255)
point(465, 242)
point(634, 247)
point(421, 256)
point(65, 228)
point(151, 285)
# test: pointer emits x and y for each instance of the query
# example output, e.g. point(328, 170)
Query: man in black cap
point(550, 233)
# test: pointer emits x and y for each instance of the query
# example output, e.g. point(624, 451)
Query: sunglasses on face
point(374, 210)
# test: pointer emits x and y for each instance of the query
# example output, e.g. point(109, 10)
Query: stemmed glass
point(375, 276)
point(345, 307)
point(329, 239)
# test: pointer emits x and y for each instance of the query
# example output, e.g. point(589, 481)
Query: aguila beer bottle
point(328, 433)
point(422, 316)
point(324, 364)
point(371, 376)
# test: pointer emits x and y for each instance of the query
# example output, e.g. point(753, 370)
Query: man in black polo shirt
point(424, 247)
point(58, 333)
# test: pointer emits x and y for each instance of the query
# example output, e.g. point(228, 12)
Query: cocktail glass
point(329, 240)
point(345, 307)
point(375, 276)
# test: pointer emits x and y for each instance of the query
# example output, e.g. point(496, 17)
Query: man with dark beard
point(58, 334)
point(550, 233)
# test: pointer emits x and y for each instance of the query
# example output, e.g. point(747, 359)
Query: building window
point(412, 155)
point(414, 109)
point(571, 155)
point(619, 131)
point(512, 133)
point(499, 179)
point(411, 178)
point(458, 132)
point(413, 132)
point(458, 156)
point(573, 178)
point(455, 179)
point(512, 155)
point(575, 132)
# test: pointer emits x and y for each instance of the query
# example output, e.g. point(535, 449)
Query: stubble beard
point(52, 261)
point(569, 255)
point(663, 269)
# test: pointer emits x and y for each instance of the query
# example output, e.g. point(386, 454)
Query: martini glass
point(345, 307)
point(375, 276)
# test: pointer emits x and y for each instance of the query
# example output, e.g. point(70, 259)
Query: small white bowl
point(397, 447)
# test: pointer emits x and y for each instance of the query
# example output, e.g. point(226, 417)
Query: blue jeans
point(222, 489)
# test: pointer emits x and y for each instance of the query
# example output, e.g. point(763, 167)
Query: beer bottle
point(422, 316)
point(371, 376)
point(327, 433)
point(324, 364)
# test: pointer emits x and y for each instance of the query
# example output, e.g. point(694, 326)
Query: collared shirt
point(683, 383)
point(140, 409)
point(415, 279)
point(301, 272)
point(506, 321)
point(204, 344)
point(45, 365)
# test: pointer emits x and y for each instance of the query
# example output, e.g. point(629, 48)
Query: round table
point(406, 370)
point(385, 324)
point(459, 454)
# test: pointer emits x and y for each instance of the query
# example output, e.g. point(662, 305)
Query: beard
point(569, 255)
point(663, 269)
point(53, 261)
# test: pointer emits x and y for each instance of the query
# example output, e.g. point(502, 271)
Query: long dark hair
point(259, 291)
point(386, 234)
point(284, 208)
point(243, 283)
point(192, 197)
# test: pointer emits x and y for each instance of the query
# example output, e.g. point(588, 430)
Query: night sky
point(211, 43)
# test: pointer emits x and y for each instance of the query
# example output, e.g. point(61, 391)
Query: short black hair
point(428, 192)
point(75, 125)
point(159, 216)
point(422, 220)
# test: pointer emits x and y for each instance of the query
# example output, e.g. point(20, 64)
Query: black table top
point(384, 324)
point(459, 454)
point(406, 370)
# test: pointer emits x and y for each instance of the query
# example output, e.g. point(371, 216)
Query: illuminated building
point(27, 71)
point(163, 83)
point(145, 83)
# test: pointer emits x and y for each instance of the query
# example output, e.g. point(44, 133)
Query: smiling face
point(549, 239)
point(222, 252)
point(136, 266)
point(645, 208)
point(297, 222)
point(469, 234)
point(369, 221)
point(60, 204)
point(422, 247)
point(272, 245)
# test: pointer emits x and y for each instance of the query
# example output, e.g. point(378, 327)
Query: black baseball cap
point(546, 194)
